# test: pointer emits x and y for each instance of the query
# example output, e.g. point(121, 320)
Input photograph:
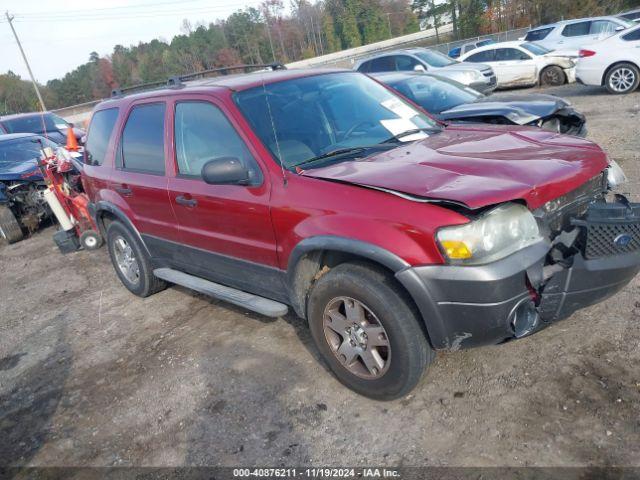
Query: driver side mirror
point(225, 171)
point(419, 68)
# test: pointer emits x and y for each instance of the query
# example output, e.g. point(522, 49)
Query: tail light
point(586, 53)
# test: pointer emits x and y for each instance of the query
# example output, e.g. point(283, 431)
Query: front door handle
point(123, 190)
point(187, 202)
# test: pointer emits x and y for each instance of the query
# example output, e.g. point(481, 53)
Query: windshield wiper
point(332, 154)
point(413, 131)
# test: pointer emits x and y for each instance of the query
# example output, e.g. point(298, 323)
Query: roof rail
point(176, 81)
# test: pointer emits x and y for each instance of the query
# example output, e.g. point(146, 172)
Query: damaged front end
point(590, 250)
point(565, 120)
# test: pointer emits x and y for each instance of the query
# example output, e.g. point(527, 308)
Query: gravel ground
point(91, 375)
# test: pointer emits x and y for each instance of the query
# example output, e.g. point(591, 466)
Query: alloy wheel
point(622, 79)
point(126, 260)
point(356, 337)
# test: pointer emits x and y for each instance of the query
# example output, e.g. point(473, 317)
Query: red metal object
point(57, 172)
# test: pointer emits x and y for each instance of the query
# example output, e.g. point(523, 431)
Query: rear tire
point(130, 261)
point(552, 76)
point(622, 78)
point(368, 331)
point(9, 227)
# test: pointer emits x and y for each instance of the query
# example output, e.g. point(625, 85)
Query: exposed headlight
point(615, 175)
point(497, 234)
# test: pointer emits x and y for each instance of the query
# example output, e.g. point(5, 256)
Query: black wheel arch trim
point(401, 269)
point(95, 209)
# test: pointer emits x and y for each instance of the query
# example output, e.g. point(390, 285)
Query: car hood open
point(477, 166)
point(520, 109)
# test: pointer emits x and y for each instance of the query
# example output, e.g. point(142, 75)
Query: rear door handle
point(123, 190)
point(187, 202)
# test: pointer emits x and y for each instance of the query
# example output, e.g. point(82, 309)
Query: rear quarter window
point(576, 29)
point(99, 134)
point(632, 36)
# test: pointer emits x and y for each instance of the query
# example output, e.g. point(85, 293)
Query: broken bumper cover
point(468, 306)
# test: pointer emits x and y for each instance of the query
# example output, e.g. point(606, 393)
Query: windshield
point(433, 94)
point(34, 124)
point(22, 149)
point(535, 49)
point(434, 59)
point(303, 118)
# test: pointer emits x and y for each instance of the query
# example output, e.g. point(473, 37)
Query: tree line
point(271, 33)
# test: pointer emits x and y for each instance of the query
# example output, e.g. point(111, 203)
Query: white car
point(523, 64)
point(614, 62)
point(572, 35)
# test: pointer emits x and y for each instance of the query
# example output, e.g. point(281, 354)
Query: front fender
point(99, 208)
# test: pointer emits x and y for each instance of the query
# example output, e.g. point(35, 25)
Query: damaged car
point(323, 192)
point(450, 101)
point(22, 202)
point(524, 64)
point(46, 124)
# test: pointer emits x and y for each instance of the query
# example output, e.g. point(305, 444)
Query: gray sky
point(59, 35)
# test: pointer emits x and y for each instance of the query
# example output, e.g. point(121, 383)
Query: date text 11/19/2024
point(316, 473)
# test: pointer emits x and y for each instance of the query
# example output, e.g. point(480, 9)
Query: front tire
point(131, 263)
point(552, 76)
point(368, 331)
point(9, 227)
point(622, 78)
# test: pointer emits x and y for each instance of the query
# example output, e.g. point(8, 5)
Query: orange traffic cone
point(72, 143)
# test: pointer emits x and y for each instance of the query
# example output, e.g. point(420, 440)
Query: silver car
point(474, 75)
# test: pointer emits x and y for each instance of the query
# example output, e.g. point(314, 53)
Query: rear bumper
point(468, 306)
point(589, 76)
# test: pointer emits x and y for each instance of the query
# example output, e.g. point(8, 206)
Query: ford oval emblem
point(623, 240)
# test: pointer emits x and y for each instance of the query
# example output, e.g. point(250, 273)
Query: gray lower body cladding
point(468, 306)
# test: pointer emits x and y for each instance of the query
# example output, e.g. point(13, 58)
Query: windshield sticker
point(400, 108)
point(400, 125)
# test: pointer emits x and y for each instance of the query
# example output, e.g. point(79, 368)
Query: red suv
point(392, 234)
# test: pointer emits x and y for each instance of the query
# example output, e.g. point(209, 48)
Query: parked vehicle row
point(394, 235)
point(479, 77)
point(47, 124)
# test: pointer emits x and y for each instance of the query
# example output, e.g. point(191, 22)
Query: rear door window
point(99, 134)
point(576, 29)
point(480, 57)
point(539, 34)
point(142, 144)
point(510, 54)
point(203, 133)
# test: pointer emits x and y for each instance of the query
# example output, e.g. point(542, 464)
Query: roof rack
point(178, 81)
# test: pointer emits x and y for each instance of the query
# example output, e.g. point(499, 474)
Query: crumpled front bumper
point(467, 306)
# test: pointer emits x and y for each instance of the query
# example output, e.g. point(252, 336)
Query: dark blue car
point(46, 124)
point(22, 204)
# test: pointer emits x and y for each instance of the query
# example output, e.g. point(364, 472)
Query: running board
point(257, 304)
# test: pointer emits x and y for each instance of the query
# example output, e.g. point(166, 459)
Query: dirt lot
point(91, 375)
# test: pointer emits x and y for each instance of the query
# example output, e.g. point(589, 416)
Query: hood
point(12, 170)
point(567, 53)
point(478, 166)
point(520, 109)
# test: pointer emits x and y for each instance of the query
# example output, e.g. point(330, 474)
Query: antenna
point(273, 127)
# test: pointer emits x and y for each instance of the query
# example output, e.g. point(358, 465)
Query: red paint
point(477, 166)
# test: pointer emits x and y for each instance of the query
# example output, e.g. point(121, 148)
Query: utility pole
point(389, 24)
point(33, 80)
